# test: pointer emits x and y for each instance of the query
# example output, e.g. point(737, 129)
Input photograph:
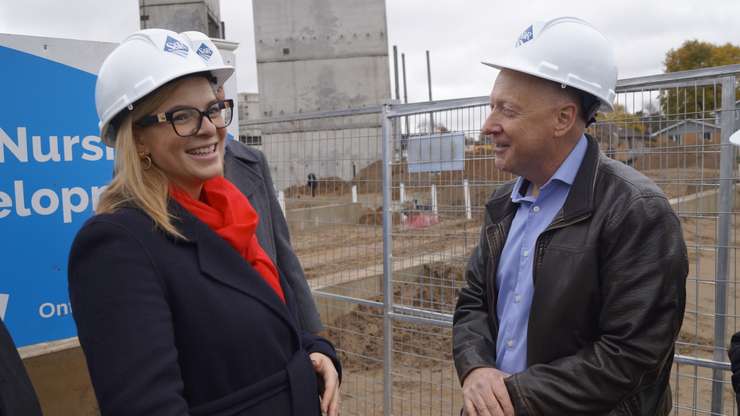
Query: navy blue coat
point(172, 327)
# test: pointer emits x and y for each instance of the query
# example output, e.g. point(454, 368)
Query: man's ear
point(566, 116)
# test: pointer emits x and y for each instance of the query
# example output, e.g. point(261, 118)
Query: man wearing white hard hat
point(576, 291)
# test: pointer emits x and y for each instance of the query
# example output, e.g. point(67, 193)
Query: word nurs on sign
point(91, 146)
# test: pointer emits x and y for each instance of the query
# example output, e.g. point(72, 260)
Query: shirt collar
point(566, 173)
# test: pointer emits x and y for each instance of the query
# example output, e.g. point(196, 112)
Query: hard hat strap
point(590, 106)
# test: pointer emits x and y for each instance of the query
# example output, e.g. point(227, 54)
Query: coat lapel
point(243, 168)
point(249, 177)
point(580, 199)
point(219, 261)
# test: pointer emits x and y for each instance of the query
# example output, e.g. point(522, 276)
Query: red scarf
point(230, 215)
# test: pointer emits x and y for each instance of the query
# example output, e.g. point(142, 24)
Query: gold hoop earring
point(147, 161)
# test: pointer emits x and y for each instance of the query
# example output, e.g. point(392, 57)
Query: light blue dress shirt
point(514, 275)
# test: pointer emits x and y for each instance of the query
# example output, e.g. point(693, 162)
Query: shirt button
point(517, 298)
point(510, 343)
point(526, 253)
point(536, 209)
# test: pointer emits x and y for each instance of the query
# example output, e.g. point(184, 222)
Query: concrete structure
point(249, 109)
point(322, 216)
point(182, 15)
point(321, 55)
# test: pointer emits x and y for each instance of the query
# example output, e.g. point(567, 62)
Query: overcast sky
point(458, 33)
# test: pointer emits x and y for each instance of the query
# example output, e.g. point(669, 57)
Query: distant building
point(688, 132)
point(182, 15)
point(249, 109)
point(623, 141)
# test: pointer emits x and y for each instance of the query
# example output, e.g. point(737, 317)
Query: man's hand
point(325, 369)
point(485, 394)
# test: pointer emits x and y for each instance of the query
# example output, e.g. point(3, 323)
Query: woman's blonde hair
point(138, 182)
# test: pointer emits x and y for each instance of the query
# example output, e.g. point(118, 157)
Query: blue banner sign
point(53, 167)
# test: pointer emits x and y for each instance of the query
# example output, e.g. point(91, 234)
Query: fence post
point(468, 209)
point(434, 199)
point(281, 201)
point(724, 205)
point(387, 265)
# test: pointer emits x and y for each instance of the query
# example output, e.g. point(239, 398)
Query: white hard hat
point(735, 138)
point(566, 50)
point(145, 61)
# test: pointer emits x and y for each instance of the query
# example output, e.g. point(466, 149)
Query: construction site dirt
point(428, 266)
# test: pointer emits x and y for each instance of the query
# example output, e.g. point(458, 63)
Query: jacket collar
point(244, 162)
point(241, 151)
point(220, 262)
point(580, 200)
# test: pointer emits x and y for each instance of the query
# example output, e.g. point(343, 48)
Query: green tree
point(696, 102)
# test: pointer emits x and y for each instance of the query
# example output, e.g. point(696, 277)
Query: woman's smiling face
point(187, 161)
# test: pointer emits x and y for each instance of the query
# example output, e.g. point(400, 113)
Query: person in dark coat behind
point(17, 396)
point(179, 309)
point(247, 169)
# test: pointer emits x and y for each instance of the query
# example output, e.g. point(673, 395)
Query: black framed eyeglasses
point(187, 121)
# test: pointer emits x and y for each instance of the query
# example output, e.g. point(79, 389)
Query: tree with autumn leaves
point(701, 101)
point(681, 103)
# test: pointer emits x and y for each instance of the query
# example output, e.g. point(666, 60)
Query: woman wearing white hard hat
point(179, 309)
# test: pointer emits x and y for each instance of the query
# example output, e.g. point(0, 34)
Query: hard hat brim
point(735, 138)
point(511, 64)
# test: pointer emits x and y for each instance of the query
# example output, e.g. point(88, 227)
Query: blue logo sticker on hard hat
point(175, 46)
point(205, 52)
point(525, 37)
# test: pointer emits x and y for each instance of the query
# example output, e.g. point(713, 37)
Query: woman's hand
point(326, 370)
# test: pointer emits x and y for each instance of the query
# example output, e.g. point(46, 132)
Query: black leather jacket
point(609, 296)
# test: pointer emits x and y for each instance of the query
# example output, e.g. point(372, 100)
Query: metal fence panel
point(384, 239)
